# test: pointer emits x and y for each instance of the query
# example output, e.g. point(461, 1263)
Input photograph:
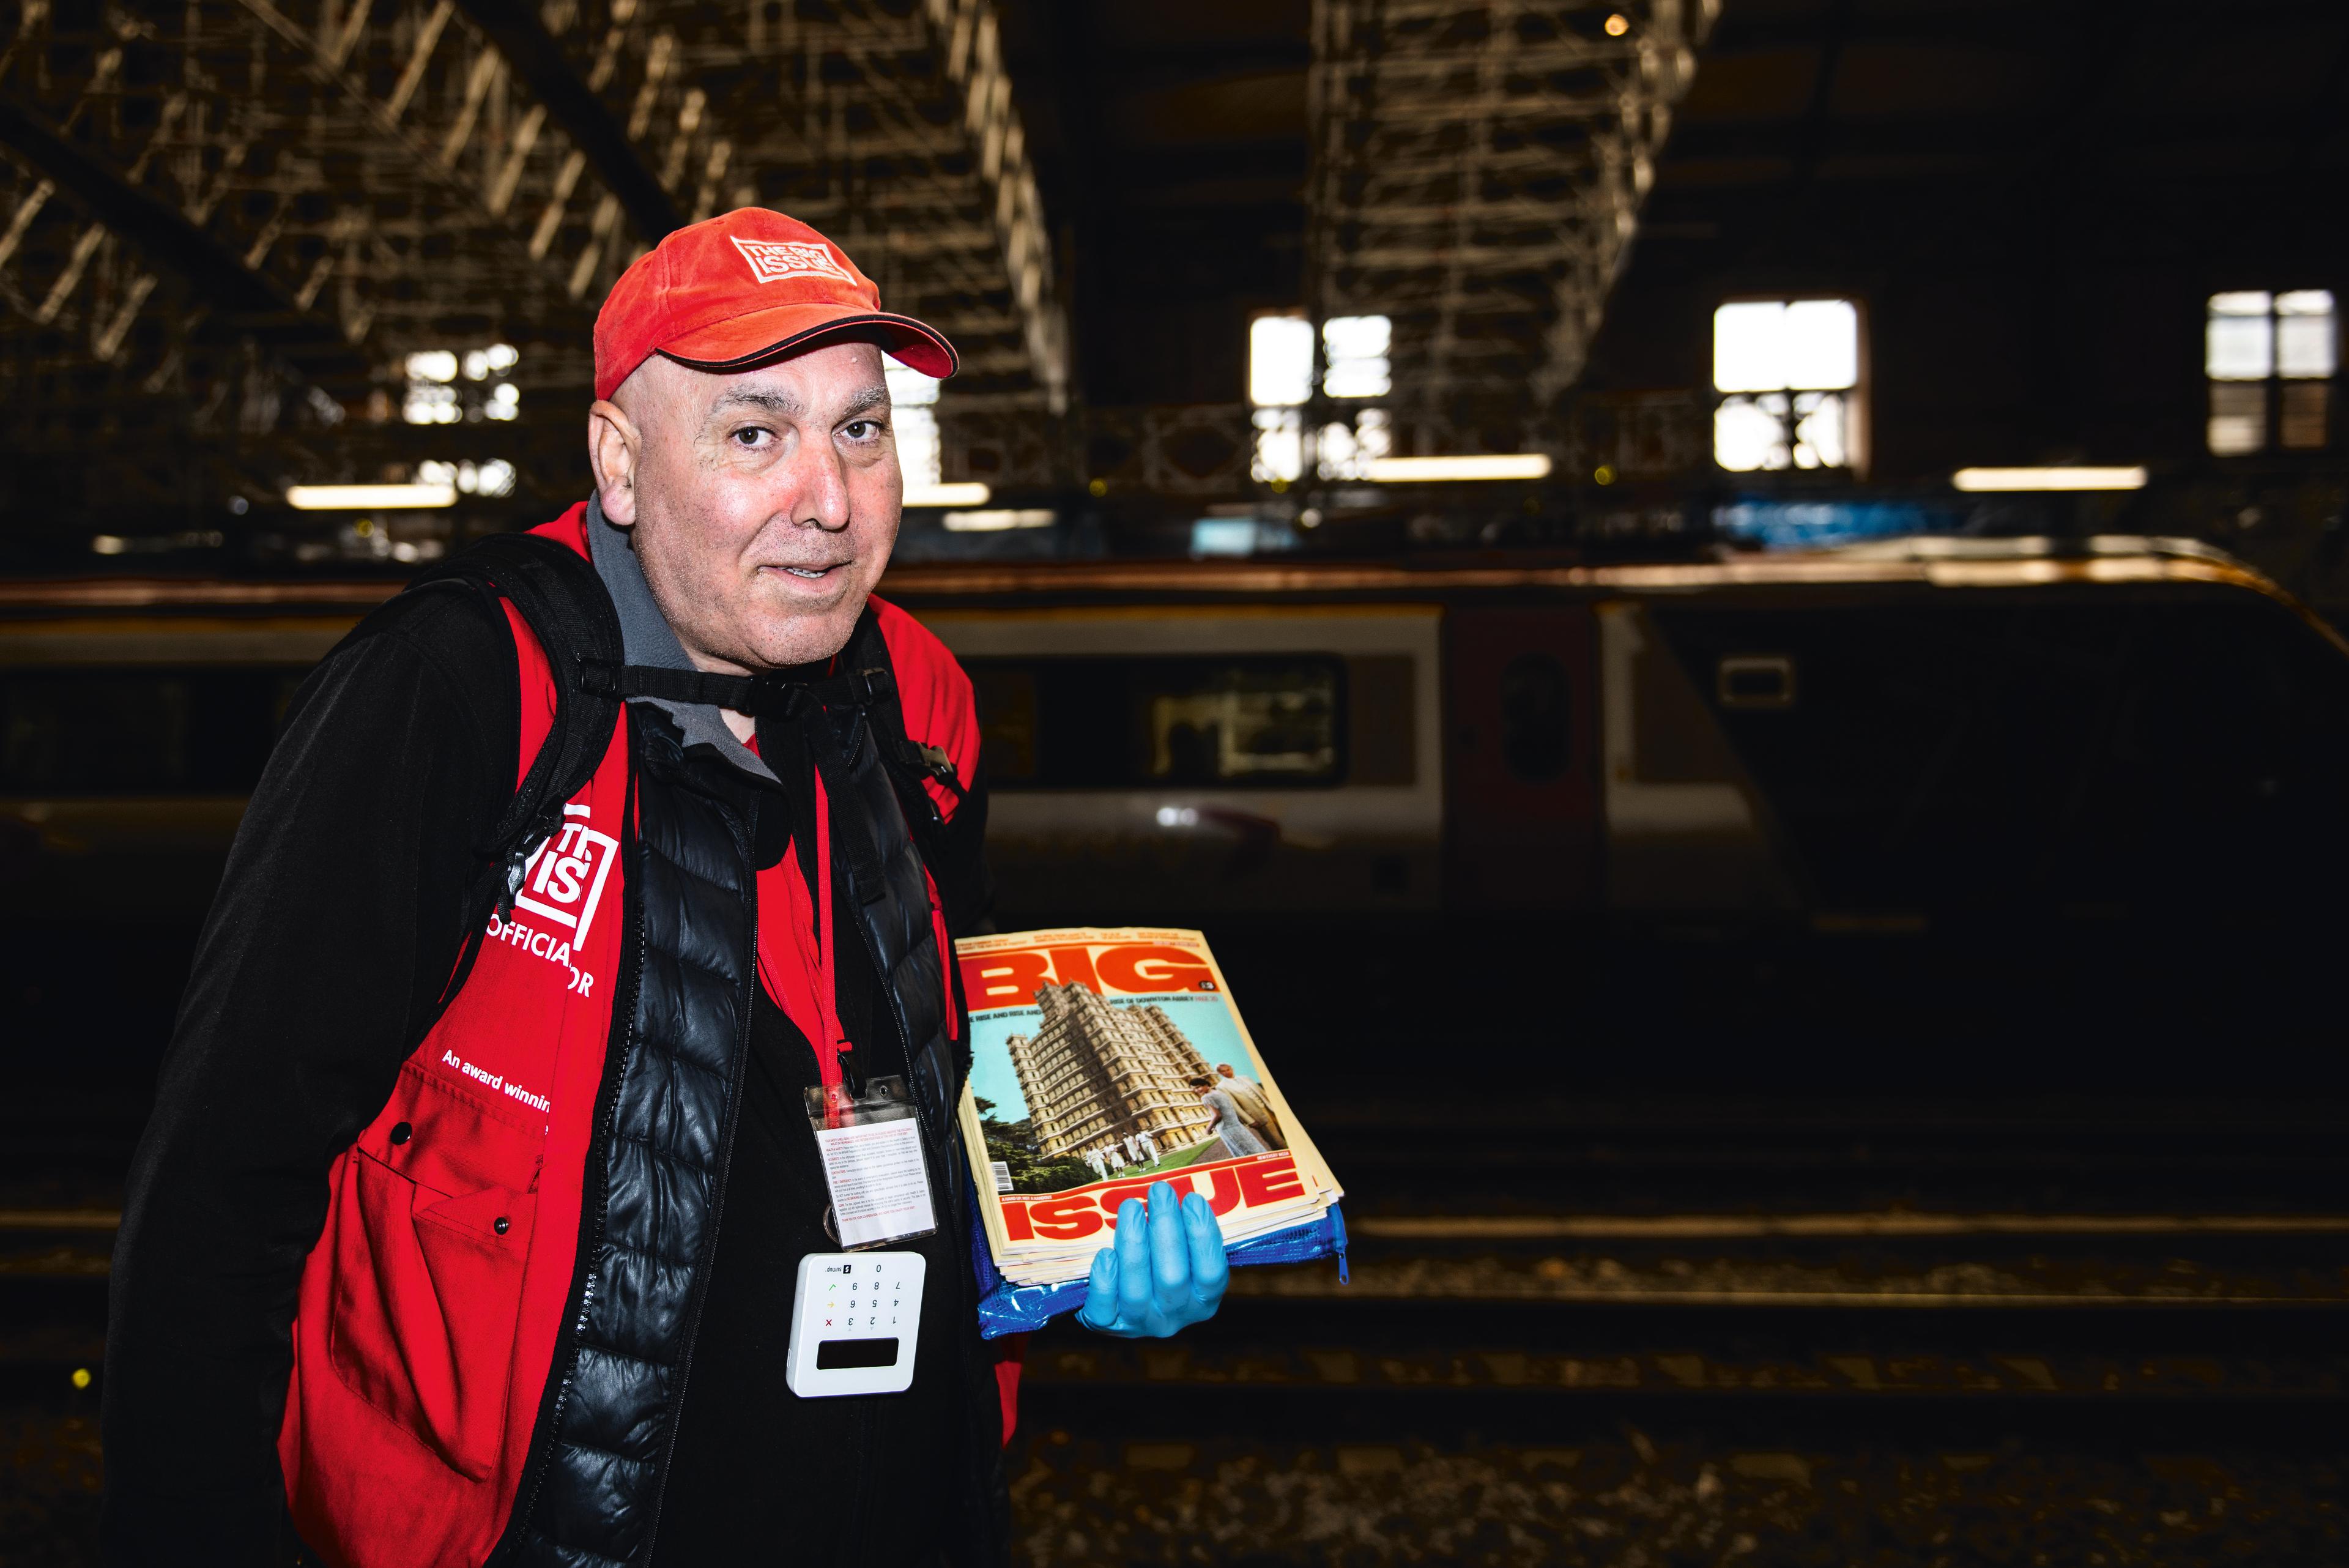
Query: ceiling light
point(1982, 479)
point(947, 494)
point(367, 497)
point(996, 521)
point(1618, 24)
point(1428, 470)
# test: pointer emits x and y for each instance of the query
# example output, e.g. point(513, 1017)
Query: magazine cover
point(1104, 1061)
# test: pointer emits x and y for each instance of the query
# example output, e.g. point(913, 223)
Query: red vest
point(429, 1307)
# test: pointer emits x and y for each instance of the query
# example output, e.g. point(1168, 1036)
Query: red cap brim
point(763, 336)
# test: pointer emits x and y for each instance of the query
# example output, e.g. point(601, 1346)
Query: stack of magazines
point(1104, 1061)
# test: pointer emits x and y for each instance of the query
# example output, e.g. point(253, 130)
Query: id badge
point(870, 1145)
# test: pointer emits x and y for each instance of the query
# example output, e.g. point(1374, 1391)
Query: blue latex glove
point(1166, 1270)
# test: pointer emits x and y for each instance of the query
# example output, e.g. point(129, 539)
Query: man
point(1255, 1107)
point(1239, 1139)
point(467, 1222)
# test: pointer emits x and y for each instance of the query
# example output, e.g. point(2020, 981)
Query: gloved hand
point(1164, 1273)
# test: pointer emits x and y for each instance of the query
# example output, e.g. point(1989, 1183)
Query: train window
point(1382, 729)
point(139, 732)
point(1534, 734)
point(1756, 680)
point(1246, 722)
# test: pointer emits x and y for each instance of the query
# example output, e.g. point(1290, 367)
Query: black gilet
point(665, 1121)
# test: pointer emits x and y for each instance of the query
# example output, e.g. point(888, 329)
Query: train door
point(1521, 816)
point(1687, 834)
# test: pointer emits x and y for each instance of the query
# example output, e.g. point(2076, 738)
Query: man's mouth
point(810, 574)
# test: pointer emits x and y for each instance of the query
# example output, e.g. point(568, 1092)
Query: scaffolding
point(237, 218)
point(1477, 175)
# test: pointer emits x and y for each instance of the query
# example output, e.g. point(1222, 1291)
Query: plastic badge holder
point(1005, 1308)
point(870, 1145)
point(855, 1319)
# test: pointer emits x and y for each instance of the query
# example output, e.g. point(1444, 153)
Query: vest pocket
point(428, 1283)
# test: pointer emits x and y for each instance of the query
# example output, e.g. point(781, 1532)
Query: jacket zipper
point(692, 1324)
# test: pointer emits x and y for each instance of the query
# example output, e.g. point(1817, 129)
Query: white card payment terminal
point(855, 1319)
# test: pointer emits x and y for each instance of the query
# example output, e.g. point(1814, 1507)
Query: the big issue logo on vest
point(563, 887)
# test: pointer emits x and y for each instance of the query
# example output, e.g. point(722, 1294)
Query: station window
point(2270, 360)
point(1345, 449)
point(1355, 363)
point(493, 477)
point(446, 386)
point(1354, 357)
point(1786, 372)
point(1280, 380)
point(914, 419)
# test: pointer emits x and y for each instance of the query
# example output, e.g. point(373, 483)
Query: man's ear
point(613, 443)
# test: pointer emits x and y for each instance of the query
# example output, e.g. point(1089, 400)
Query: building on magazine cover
point(1095, 1076)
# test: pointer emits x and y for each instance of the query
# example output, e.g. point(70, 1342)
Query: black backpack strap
point(565, 604)
point(873, 679)
point(869, 680)
point(776, 690)
point(952, 855)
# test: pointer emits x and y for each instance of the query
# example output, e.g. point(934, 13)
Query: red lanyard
point(794, 961)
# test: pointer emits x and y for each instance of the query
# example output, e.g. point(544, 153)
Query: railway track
point(1582, 1332)
point(1853, 1303)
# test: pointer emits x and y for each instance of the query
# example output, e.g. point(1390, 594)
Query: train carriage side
point(2147, 741)
point(1844, 743)
point(134, 725)
point(1156, 761)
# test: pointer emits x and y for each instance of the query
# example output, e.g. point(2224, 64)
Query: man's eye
point(861, 430)
point(752, 437)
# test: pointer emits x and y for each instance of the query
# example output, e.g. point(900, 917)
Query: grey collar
point(646, 638)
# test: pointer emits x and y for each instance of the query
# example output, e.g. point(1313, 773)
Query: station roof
point(223, 230)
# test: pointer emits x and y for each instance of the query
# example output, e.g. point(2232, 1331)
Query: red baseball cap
point(744, 290)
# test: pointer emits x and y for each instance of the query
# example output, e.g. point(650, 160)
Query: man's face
point(762, 504)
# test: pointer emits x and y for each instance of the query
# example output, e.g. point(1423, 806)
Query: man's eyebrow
point(786, 406)
point(781, 404)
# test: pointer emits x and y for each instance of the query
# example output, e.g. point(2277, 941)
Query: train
point(1882, 739)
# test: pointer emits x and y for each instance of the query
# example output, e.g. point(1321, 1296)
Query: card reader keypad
point(855, 1322)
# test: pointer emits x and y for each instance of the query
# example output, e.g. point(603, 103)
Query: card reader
point(855, 1319)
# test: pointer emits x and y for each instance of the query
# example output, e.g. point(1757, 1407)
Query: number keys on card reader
point(855, 1319)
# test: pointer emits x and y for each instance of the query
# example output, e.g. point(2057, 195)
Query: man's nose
point(820, 478)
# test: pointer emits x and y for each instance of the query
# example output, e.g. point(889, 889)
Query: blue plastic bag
point(1005, 1308)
